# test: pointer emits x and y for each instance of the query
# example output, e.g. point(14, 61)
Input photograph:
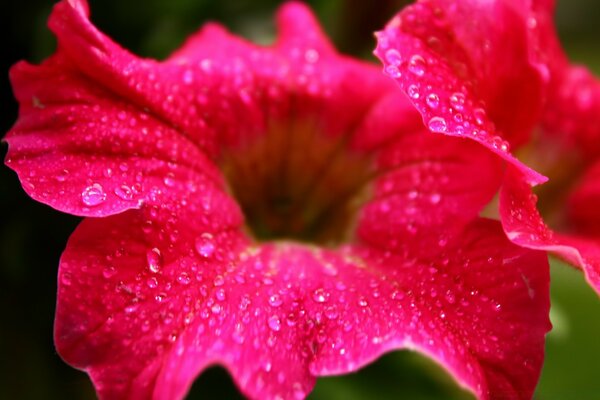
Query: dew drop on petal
point(413, 92)
point(93, 195)
point(393, 57)
point(205, 245)
point(275, 300)
point(109, 272)
point(320, 295)
point(433, 100)
point(183, 278)
point(457, 100)
point(154, 260)
point(124, 192)
point(479, 114)
point(393, 71)
point(65, 279)
point(220, 294)
point(274, 323)
point(152, 282)
point(417, 65)
point(437, 124)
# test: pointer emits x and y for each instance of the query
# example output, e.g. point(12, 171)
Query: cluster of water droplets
point(444, 101)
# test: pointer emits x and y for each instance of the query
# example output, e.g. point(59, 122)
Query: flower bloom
point(498, 71)
point(281, 211)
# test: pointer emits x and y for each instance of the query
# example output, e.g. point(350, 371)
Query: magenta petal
point(420, 188)
point(524, 226)
point(84, 151)
point(572, 110)
point(144, 309)
point(462, 85)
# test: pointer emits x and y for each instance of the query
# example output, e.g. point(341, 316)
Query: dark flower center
point(295, 182)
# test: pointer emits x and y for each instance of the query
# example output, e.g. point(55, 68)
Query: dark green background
point(32, 236)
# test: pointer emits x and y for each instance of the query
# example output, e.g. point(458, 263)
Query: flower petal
point(84, 151)
point(524, 226)
point(140, 118)
point(573, 93)
point(420, 188)
point(463, 77)
point(144, 312)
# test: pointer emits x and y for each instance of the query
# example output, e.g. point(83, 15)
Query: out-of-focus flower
point(280, 211)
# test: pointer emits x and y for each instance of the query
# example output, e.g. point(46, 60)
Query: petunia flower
point(280, 211)
point(497, 71)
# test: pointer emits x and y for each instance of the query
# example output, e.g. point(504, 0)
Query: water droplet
point(169, 179)
point(413, 92)
point(93, 195)
point(216, 309)
point(220, 294)
point(311, 56)
point(393, 57)
point(457, 100)
point(188, 77)
point(154, 259)
point(479, 114)
point(109, 272)
point(274, 323)
point(437, 124)
point(219, 280)
point(152, 283)
point(275, 300)
point(417, 65)
point(393, 71)
point(363, 302)
point(433, 100)
point(65, 279)
point(184, 278)
point(320, 295)
point(205, 245)
point(435, 198)
point(124, 192)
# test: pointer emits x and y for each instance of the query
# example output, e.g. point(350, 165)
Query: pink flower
point(496, 70)
point(280, 211)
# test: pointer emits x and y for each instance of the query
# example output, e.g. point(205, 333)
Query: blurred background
point(32, 236)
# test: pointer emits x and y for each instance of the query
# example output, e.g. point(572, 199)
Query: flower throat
point(296, 183)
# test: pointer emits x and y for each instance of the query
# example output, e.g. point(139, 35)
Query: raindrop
point(274, 323)
point(393, 57)
point(275, 300)
point(184, 278)
point(433, 100)
point(479, 114)
point(188, 77)
point(413, 92)
point(152, 282)
point(124, 192)
point(169, 179)
point(109, 272)
point(220, 294)
point(437, 124)
point(417, 65)
point(435, 198)
point(320, 295)
point(93, 195)
point(65, 279)
point(205, 245)
point(154, 259)
point(457, 100)
point(393, 71)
